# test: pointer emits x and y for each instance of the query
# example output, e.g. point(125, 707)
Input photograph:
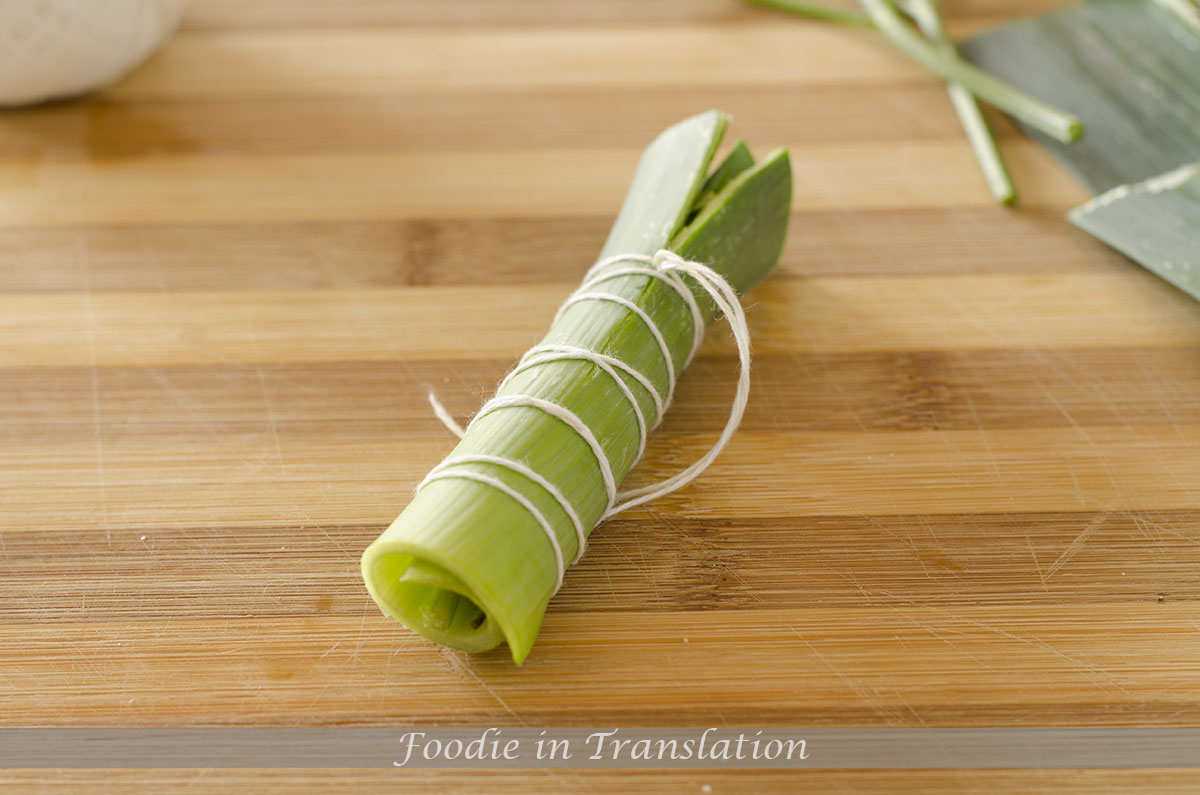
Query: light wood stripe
point(299, 63)
point(264, 475)
point(348, 187)
point(887, 391)
point(1131, 309)
point(288, 14)
point(352, 187)
point(398, 121)
point(779, 667)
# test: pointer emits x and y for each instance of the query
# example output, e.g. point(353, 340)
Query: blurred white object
point(58, 48)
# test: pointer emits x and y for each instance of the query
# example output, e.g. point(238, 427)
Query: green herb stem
point(929, 20)
point(1054, 122)
point(841, 16)
point(883, 16)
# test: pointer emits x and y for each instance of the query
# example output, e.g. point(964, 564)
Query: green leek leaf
point(467, 565)
point(1156, 222)
point(1130, 70)
point(738, 160)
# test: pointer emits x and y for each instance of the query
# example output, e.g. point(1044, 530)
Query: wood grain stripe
point(939, 390)
point(812, 666)
point(354, 187)
point(1131, 309)
point(1055, 559)
point(250, 64)
point(266, 475)
point(450, 121)
point(288, 14)
point(498, 251)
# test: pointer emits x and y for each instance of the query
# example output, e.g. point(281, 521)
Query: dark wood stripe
point(792, 393)
point(514, 250)
point(681, 565)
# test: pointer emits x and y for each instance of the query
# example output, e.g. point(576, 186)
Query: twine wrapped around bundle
point(476, 556)
point(53, 49)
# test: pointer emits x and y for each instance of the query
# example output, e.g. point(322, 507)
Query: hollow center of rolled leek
point(432, 601)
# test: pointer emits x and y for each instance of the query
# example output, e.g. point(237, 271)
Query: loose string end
point(443, 414)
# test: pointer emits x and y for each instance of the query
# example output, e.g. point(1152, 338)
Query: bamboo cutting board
point(966, 492)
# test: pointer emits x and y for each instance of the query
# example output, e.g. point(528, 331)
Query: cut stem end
point(430, 601)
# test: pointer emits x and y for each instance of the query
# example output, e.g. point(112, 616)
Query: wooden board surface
point(966, 493)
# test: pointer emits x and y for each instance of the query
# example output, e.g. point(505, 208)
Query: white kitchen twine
point(665, 266)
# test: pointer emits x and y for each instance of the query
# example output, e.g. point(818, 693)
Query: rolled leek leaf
point(467, 564)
